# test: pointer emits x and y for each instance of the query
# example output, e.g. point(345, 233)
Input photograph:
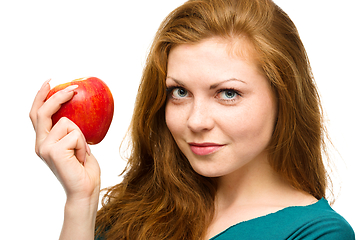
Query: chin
point(209, 171)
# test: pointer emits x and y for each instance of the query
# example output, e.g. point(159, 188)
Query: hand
point(63, 147)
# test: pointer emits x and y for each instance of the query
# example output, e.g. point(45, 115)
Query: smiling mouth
point(203, 149)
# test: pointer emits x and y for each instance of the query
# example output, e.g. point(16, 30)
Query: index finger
point(48, 108)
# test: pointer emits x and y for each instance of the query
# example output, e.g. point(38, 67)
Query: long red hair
point(161, 197)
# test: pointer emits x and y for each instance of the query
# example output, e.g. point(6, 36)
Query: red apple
point(91, 108)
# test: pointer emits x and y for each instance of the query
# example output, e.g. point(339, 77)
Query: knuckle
point(31, 115)
point(40, 112)
point(67, 121)
point(76, 136)
point(77, 133)
point(49, 154)
point(37, 151)
point(63, 120)
point(42, 152)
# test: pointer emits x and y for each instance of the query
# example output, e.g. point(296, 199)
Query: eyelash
point(170, 90)
point(228, 89)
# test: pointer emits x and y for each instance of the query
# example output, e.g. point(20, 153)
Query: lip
point(205, 148)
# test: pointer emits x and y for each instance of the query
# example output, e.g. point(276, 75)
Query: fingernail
point(45, 83)
point(70, 88)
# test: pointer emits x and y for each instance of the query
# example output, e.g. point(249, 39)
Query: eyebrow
point(212, 86)
point(178, 82)
point(228, 80)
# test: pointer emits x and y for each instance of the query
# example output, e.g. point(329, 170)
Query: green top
point(316, 221)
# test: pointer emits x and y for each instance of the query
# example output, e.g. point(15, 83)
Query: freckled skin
point(91, 108)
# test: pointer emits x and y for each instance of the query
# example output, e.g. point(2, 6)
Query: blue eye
point(178, 92)
point(228, 94)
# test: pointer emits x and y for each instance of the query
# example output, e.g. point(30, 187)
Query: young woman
point(227, 137)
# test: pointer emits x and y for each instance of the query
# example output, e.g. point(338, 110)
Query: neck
point(255, 183)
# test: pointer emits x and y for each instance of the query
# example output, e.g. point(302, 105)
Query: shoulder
point(316, 221)
point(320, 221)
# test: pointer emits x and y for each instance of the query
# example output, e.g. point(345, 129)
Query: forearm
point(79, 220)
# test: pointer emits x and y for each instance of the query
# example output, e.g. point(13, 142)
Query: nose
point(200, 117)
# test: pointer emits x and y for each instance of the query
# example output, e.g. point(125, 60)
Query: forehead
point(236, 47)
point(213, 56)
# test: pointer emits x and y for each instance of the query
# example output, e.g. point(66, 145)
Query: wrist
point(84, 200)
point(81, 206)
point(79, 218)
point(82, 203)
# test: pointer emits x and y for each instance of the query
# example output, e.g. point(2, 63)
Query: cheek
point(173, 120)
point(253, 125)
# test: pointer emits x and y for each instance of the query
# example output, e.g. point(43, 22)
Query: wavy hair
point(161, 196)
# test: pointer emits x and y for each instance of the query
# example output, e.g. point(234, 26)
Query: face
point(220, 109)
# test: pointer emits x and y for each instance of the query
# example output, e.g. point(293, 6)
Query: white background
point(65, 40)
